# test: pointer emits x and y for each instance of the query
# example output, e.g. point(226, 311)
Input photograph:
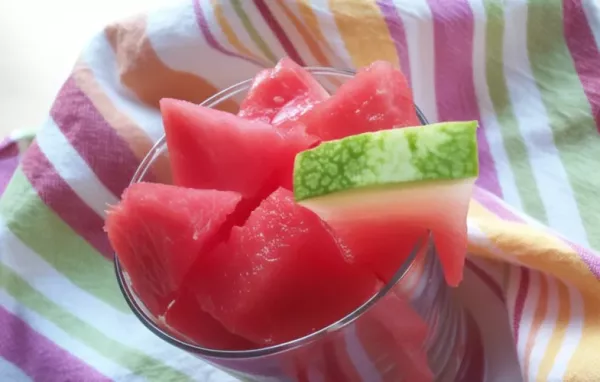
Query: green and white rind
point(442, 151)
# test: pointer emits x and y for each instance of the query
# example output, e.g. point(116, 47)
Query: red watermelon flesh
point(211, 149)
point(158, 231)
point(286, 91)
point(279, 277)
point(185, 318)
point(377, 98)
point(379, 245)
point(409, 212)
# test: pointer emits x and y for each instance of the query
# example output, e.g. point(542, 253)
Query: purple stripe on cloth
point(107, 154)
point(279, 32)
point(486, 279)
point(586, 57)
point(591, 259)
point(210, 38)
point(37, 356)
point(520, 301)
point(59, 196)
point(396, 28)
point(9, 160)
point(453, 27)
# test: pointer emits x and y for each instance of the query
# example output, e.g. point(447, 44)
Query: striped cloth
point(529, 71)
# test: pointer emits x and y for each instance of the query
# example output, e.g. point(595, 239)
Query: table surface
point(39, 43)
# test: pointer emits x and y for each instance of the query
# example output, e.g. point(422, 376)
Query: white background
point(39, 42)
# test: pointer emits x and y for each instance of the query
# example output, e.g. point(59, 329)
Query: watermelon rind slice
point(397, 157)
point(411, 178)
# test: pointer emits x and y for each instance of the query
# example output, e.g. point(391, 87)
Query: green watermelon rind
point(436, 152)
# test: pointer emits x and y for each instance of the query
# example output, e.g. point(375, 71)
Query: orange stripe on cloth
point(364, 31)
point(143, 72)
point(558, 334)
point(312, 44)
point(307, 12)
point(137, 139)
point(585, 365)
point(538, 318)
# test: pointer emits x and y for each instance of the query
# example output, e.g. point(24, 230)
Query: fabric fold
point(525, 69)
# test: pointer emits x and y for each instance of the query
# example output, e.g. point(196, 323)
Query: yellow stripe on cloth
point(585, 363)
point(368, 41)
point(531, 247)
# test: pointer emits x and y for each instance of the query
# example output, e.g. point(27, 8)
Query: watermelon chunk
point(211, 149)
point(282, 94)
point(279, 277)
point(411, 179)
point(158, 231)
point(377, 98)
point(186, 318)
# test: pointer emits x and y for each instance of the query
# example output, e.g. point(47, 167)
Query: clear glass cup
point(412, 330)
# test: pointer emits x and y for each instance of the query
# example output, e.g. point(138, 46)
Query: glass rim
point(149, 322)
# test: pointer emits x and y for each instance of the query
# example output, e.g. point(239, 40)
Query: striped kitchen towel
point(528, 70)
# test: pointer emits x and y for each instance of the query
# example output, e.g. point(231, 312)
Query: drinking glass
point(412, 330)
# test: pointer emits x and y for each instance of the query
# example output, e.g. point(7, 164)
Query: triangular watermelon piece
point(186, 318)
point(281, 276)
point(369, 239)
point(158, 231)
point(377, 98)
point(376, 188)
point(282, 94)
point(211, 149)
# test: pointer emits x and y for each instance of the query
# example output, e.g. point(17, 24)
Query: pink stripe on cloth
point(59, 196)
point(453, 28)
point(396, 28)
point(9, 160)
point(107, 154)
point(287, 45)
point(520, 301)
point(589, 257)
point(584, 51)
point(210, 38)
point(37, 356)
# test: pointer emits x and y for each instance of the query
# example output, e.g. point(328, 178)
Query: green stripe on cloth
point(29, 219)
point(138, 363)
point(568, 108)
point(239, 10)
point(512, 138)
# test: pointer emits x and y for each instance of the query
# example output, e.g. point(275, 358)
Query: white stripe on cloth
point(548, 170)
point(112, 323)
point(572, 336)
point(492, 129)
point(100, 58)
point(331, 32)
point(545, 331)
point(73, 169)
point(64, 340)
point(418, 25)
point(9, 372)
point(178, 42)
